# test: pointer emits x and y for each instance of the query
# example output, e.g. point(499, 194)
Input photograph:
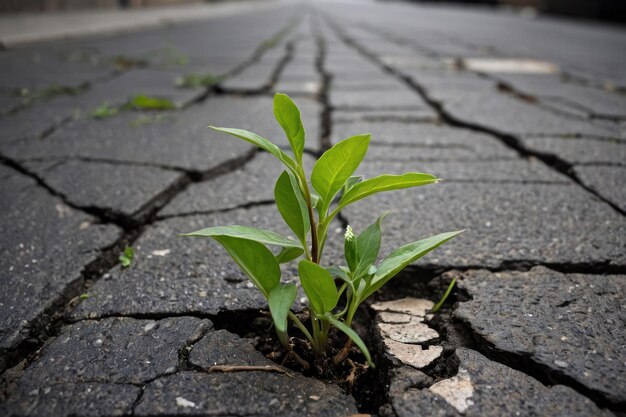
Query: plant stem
point(317, 346)
point(343, 353)
point(307, 197)
point(445, 296)
point(302, 328)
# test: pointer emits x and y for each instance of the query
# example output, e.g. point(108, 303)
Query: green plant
point(142, 102)
point(197, 80)
point(309, 215)
point(126, 258)
point(103, 111)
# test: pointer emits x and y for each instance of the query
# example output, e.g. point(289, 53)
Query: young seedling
point(308, 206)
point(197, 80)
point(126, 258)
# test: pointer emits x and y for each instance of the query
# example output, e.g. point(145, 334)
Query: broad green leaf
point(352, 335)
point(385, 182)
point(280, 300)
point(291, 205)
point(335, 166)
point(403, 256)
point(288, 116)
point(267, 237)
point(368, 246)
point(262, 143)
point(319, 286)
point(255, 260)
point(288, 254)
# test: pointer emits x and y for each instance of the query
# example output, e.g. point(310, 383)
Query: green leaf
point(255, 260)
point(267, 237)
point(104, 111)
point(403, 256)
point(288, 116)
point(350, 182)
point(291, 205)
point(319, 286)
point(335, 166)
point(142, 102)
point(280, 300)
point(197, 80)
point(314, 199)
point(126, 258)
point(368, 247)
point(352, 335)
point(288, 254)
point(337, 272)
point(262, 143)
point(382, 183)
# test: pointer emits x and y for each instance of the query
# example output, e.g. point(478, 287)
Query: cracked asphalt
point(524, 119)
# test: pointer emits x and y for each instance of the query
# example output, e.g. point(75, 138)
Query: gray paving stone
point(240, 393)
point(38, 69)
point(423, 141)
point(45, 246)
point(300, 70)
point(181, 140)
point(176, 275)
point(570, 324)
point(88, 399)
point(550, 88)
point(424, 115)
point(579, 150)
point(253, 78)
point(298, 87)
point(411, 61)
point(512, 171)
point(243, 393)
point(141, 81)
point(224, 348)
point(124, 189)
point(253, 183)
point(364, 99)
point(505, 223)
point(114, 350)
point(450, 82)
point(509, 115)
point(9, 101)
point(379, 84)
point(35, 121)
point(486, 388)
point(607, 181)
point(351, 65)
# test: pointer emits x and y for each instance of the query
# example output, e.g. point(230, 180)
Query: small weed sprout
point(308, 206)
point(126, 258)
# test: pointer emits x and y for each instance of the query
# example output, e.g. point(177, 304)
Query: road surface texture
point(524, 119)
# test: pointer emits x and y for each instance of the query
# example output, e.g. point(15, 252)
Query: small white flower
point(349, 235)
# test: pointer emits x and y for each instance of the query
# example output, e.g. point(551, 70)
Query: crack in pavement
point(551, 161)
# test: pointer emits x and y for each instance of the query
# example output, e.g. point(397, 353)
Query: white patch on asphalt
point(181, 402)
point(457, 390)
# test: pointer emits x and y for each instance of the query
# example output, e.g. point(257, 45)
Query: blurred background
point(611, 10)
